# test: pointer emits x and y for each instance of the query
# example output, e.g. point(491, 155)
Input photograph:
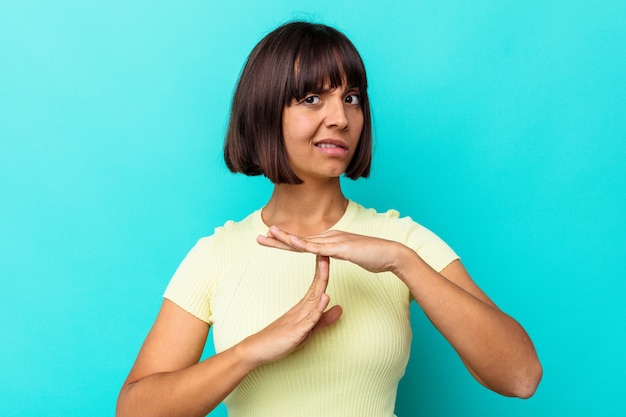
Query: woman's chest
point(257, 290)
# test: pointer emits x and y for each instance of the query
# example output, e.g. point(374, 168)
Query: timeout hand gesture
point(373, 254)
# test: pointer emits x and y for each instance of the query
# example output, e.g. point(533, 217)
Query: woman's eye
point(311, 100)
point(353, 99)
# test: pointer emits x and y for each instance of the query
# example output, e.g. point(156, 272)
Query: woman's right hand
point(294, 328)
point(168, 380)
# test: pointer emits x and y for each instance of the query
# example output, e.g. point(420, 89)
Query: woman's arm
point(168, 380)
point(494, 347)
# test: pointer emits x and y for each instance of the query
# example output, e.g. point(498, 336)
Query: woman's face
point(322, 132)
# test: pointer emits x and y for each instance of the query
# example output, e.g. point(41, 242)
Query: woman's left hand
point(373, 254)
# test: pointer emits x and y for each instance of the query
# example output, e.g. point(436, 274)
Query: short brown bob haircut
point(324, 58)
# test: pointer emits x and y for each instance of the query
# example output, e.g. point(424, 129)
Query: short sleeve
point(192, 285)
point(430, 247)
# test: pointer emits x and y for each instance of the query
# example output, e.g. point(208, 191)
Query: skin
point(167, 378)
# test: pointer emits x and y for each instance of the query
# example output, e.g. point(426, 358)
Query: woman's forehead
point(325, 74)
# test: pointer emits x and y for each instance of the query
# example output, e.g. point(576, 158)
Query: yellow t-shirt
point(350, 369)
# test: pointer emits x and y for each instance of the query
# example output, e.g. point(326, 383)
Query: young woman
point(309, 296)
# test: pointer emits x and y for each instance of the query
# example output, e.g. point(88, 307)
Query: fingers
point(276, 238)
point(317, 298)
point(271, 242)
point(371, 253)
point(322, 244)
point(322, 267)
point(279, 239)
point(320, 279)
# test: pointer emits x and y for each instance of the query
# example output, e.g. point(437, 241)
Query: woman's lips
point(332, 147)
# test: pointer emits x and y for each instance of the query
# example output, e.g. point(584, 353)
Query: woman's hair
point(323, 57)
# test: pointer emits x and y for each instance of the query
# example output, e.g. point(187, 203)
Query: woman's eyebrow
point(326, 89)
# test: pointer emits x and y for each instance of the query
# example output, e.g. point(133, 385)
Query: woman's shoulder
point(391, 225)
point(388, 216)
point(389, 222)
point(235, 229)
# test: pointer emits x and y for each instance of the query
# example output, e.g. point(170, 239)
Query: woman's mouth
point(332, 148)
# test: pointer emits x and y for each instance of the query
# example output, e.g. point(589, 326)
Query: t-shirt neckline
point(341, 224)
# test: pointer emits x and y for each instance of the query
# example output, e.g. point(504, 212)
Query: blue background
point(499, 125)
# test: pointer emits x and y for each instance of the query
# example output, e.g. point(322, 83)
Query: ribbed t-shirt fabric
point(350, 369)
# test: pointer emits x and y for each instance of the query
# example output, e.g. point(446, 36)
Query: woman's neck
point(305, 209)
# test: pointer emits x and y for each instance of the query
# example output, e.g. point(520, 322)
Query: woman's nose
point(336, 114)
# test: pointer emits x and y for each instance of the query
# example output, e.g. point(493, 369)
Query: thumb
point(329, 317)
